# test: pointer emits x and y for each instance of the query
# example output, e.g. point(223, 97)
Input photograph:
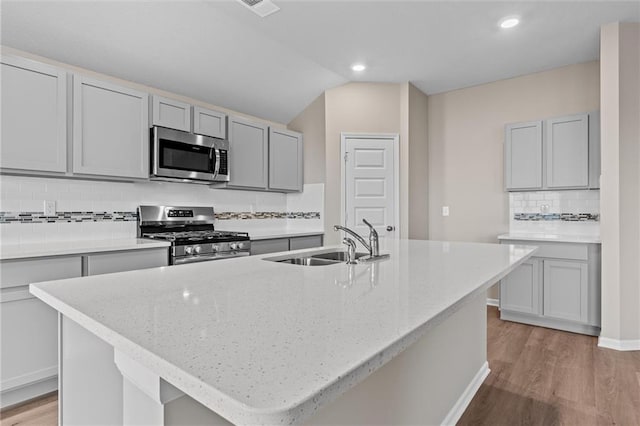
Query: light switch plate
point(445, 210)
point(49, 208)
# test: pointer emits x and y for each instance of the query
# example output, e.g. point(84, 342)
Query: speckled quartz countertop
point(262, 342)
point(62, 248)
point(559, 238)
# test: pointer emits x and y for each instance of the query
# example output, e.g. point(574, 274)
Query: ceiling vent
point(261, 8)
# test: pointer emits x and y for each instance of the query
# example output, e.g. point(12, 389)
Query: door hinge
point(346, 156)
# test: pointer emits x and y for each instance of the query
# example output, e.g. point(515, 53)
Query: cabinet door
point(285, 160)
point(523, 156)
point(567, 152)
point(565, 290)
point(520, 290)
point(269, 246)
point(110, 130)
point(209, 123)
point(248, 160)
point(28, 335)
point(34, 116)
point(106, 263)
point(171, 113)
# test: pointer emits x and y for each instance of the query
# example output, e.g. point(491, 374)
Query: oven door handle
point(215, 162)
point(203, 258)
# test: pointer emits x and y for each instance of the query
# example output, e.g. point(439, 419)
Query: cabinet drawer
point(269, 246)
point(23, 272)
point(555, 250)
point(126, 261)
point(298, 243)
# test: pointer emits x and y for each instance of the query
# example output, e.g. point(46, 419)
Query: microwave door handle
point(216, 166)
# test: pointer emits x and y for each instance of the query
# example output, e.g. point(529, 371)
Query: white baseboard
point(493, 302)
point(619, 345)
point(465, 399)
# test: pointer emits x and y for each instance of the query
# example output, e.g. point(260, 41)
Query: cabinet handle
point(391, 228)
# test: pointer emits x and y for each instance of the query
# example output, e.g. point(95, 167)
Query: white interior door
point(370, 184)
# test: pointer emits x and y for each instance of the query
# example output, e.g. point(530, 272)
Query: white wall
point(620, 184)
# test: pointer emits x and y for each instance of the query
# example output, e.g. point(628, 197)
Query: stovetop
point(200, 236)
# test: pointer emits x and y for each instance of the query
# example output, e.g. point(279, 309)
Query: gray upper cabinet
point(171, 113)
point(110, 130)
point(34, 116)
point(248, 155)
point(285, 160)
point(567, 152)
point(209, 123)
point(559, 153)
point(523, 156)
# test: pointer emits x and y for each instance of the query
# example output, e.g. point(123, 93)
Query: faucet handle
point(371, 228)
point(351, 250)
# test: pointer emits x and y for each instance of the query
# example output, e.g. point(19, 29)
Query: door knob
point(391, 228)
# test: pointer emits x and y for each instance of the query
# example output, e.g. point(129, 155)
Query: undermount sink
point(340, 256)
point(318, 258)
point(306, 261)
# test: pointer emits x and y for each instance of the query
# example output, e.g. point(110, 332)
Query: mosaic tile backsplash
point(94, 210)
point(69, 217)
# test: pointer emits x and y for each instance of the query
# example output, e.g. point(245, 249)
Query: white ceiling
point(220, 52)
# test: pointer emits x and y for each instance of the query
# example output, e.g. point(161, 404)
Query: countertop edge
point(557, 238)
point(83, 248)
point(286, 234)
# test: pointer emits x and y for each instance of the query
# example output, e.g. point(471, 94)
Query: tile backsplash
point(570, 211)
point(103, 210)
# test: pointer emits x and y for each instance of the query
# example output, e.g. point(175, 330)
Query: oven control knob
point(240, 246)
point(197, 249)
point(188, 250)
point(215, 248)
point(233, 246)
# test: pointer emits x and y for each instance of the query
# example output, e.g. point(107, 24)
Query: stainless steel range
point(191, 233)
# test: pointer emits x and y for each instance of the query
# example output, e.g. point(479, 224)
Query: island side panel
point(429, 383)
point(90, 382)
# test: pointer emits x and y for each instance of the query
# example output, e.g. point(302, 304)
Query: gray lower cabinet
point(34, 116)
point(521, 290)
point(29, 327)
point(105, 263)
point(110, 130)
point(558, 288)
point(275, 245)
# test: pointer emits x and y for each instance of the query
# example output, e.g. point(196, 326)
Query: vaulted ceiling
point(220, 52)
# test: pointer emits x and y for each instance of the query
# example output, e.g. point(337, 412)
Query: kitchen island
point(252, 341)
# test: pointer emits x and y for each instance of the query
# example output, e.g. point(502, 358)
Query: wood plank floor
point(538, 377)
point(541, 376)
point(38, 412)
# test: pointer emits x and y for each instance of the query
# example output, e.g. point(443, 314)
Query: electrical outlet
point(49, 208)
point(445, 210)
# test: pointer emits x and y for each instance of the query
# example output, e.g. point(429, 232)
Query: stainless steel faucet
point(372, 246)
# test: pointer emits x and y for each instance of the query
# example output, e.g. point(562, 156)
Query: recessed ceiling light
point(509, 22)
point(358, 67)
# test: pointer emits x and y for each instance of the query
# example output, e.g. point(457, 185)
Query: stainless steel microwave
point(186, 157)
